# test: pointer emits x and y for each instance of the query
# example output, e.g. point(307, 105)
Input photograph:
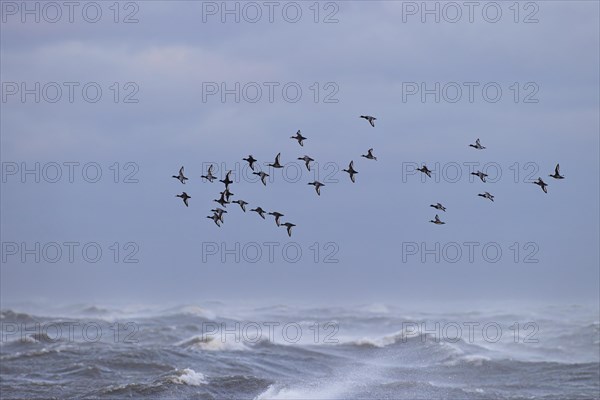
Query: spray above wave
point(275, 392)
point(401, 336)
point(182, 354)
point(209, 343)
point(12, 316)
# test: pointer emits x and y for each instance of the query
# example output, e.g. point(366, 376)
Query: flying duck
point(222, 200)
point(251, 161)
point(289, 226)
point(277, 215)
point(185, 197)
point(369, 155)
point(299, 138)
point(425, 170)
point(438, 206)
point(370, 119)
point(317, 186)
point(276, 164)
point(557, 174)
point(263, 176)
point(351, 171)
point(209, 176)
point(226, 193)
point(260, 211)
point(227, 181)
point(541, 184)
point(480, 174)
point(477, 145)
point(242, 204)
point(307, 161)
point(486, 195)
point(181, 178)
point(437, 220)
point(219, 211)
point(215, 217)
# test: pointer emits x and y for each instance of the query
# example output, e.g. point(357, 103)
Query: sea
point(212, 350)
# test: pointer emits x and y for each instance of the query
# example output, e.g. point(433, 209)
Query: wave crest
point(199, 342)
point(188, 376)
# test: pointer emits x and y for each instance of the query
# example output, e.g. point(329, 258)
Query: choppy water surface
point(211, 351)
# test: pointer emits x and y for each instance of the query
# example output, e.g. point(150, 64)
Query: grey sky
point(367, 55)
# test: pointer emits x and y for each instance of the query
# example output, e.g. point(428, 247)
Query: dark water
point(214, 352)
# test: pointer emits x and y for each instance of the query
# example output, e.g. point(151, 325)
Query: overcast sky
point(376, 60)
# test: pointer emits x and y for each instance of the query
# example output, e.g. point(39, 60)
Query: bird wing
point(557, 169)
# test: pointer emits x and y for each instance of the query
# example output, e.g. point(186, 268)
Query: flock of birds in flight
point(486, 195)
point(225, 195)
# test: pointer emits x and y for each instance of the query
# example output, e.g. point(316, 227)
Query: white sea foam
point(387, 340)
point(274, 392)
point(197, 311)
point(199, 342)
point(189, 377)
point(471, 359)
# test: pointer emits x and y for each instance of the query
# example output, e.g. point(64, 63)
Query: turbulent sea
point(212, 351)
